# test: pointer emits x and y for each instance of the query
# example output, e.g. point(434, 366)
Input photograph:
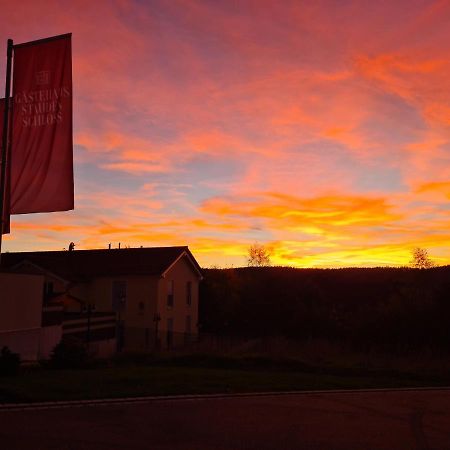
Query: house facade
point(32, 323)
point(153, 292)
point(22, 312)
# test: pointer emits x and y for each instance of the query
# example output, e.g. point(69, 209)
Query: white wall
point(21, 297)
point(24, 342)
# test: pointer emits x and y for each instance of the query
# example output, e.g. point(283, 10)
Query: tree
point(258, 256)
point(420, 259)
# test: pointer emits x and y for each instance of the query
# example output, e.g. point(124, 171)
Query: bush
point(70, 353)
point(9, 362)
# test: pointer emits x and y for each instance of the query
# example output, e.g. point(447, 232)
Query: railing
point(149, 340)
point(90, 326)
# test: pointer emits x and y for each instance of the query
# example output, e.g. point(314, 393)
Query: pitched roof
point(85, 264)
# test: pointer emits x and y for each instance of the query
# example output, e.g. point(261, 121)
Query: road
point(329, 421)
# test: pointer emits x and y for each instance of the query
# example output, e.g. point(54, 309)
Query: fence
point(96, 329)
point(150, 340)
point(136, 339)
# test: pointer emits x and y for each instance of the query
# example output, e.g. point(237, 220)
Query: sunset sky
point(320, 129)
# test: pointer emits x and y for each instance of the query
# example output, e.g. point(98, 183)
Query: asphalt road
point(330, 421)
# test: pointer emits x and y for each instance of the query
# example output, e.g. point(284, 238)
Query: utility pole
point(5, 139)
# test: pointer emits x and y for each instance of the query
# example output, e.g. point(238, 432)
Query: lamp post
point(89, 309)
point(156, 319)
point(120, 328)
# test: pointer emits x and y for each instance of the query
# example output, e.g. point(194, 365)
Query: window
point(169, 332)
point(188, 324)
point(189, 293)
point(48, 290)
point(170, 293)
point(119, 295)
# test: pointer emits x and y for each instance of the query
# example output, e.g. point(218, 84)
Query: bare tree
point(420, 259)
point(258, 256)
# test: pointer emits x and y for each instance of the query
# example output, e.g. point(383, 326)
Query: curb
point(149, 399)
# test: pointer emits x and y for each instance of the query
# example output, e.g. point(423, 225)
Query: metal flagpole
point(5, 136)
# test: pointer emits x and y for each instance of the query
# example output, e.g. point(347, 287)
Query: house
point(32, 323)
point(25, 327)
point(153, 292)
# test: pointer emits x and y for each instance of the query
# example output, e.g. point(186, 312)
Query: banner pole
point(9, 52)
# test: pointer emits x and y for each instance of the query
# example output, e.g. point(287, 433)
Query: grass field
point(195, 376)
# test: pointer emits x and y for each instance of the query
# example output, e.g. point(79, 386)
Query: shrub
point(70, 353)
point(9, 362)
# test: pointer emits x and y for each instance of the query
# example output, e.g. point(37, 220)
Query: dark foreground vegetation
point(398, 311)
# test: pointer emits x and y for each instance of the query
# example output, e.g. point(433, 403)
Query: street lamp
point(120, 334)
point(89, 309)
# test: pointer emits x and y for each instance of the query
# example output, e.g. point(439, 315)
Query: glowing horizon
point(319, 129)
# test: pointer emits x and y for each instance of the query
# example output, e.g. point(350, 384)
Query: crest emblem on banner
point(42, 77)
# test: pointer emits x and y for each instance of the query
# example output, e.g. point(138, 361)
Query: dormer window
point(119, 295)
point(170, 293)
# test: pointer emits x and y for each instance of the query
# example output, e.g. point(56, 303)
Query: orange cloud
point(324, 210)
point(439, 187)
point(422, 82)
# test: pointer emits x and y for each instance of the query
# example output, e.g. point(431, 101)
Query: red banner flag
point(42, 147)
point(5, 228)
